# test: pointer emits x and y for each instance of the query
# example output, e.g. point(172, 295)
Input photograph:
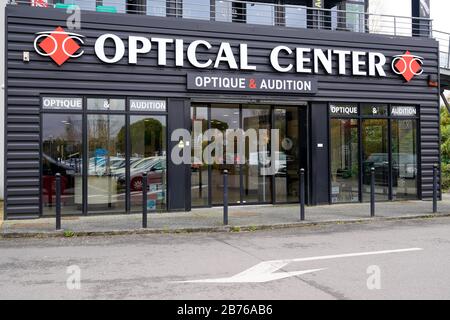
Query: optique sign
point(250, 83)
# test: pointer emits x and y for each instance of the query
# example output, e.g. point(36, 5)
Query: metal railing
point(253, 13)
point(444, 47)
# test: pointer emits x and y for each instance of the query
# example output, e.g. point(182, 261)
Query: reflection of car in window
point(264, 160)
point(379, 161)
point(52, 166)
point(405, 163)
point(154, 166)
point(403, 166)
point(102, 165)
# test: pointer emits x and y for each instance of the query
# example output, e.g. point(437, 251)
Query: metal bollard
point(144, 200)
point(372, 192)
point(302, 194)
point(58, 201)
point(225, 197)
point(435, 188)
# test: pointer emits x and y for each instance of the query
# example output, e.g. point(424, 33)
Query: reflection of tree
point(375, 136)
point(220, 125)
point(404, 137)
point(102, 133)
point(61, 143)
point(98, 134)
point(147, 137)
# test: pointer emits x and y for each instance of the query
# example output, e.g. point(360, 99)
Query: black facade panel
point(26, 82)
point(319, 150)
point(178, 195)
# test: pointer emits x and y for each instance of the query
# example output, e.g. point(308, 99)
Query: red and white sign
point(39, 3)
point(407, 65)
point(58, 45)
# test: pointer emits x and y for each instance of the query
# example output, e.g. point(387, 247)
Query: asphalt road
point(156, 266)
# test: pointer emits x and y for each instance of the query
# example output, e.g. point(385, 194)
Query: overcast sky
point(440, 11)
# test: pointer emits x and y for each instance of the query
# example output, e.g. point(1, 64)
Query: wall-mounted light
point(433, 81)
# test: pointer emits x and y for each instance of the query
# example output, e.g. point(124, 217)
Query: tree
point(445, 148)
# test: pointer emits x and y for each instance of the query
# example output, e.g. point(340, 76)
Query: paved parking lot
point(407, 259)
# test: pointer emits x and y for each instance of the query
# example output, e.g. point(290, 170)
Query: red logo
point(407, 65)
point(39, 3)
point(58, 45)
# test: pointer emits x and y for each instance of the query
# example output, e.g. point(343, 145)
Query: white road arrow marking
point(266, 271)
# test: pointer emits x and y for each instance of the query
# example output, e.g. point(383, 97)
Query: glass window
point(156, 8)
point(224, 117)
point(288, 158)
point(404, 159)
point(106, 104)
point(106, 159)
point(197, 9)
point(257, 187)
point(199, 169)
point(295, 17)
point(375, 155)
point(62, 152)
point(344, 160)
point(148, 154)
point(260, 14)
point(355, 17)
point(374, 110)
point(82, 4)
point(224, 10)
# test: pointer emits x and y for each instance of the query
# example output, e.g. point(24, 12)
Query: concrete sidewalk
point(244, 218)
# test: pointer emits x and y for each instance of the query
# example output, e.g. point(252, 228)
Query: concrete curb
point(223, 229)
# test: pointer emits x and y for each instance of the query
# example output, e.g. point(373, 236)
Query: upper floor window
point(223, 10)
point(197, 9)
point(156, 8)
point(83, 4)
point(260, 13)
point(296, 17)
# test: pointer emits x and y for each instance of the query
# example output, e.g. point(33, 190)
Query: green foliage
point(445, 148)
point(235, 229)
point(69, 234)
point(445, 176)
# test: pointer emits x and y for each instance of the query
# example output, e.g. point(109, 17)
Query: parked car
point(98, 165)
point(155, 167)
point(379, 161)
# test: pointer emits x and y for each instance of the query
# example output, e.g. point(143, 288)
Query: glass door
point(255, 175)
point(344, 150)
point(257, 181)
point(404, 159)
point(287, 163)
point(199, 168)
point(106, 142)
point(62, 152)
point(148, 154)
point(223, 118)
point(376, 155)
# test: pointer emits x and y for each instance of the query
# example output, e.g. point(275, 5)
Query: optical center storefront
point(125, 95)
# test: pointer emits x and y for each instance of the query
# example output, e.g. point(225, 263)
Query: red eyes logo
point(58, 45)
point(407, 65)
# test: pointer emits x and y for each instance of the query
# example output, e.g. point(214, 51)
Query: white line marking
point(266, 271)
point(359, 254)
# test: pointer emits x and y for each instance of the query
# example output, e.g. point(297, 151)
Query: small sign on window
point(61, 103)
point(148, 105)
